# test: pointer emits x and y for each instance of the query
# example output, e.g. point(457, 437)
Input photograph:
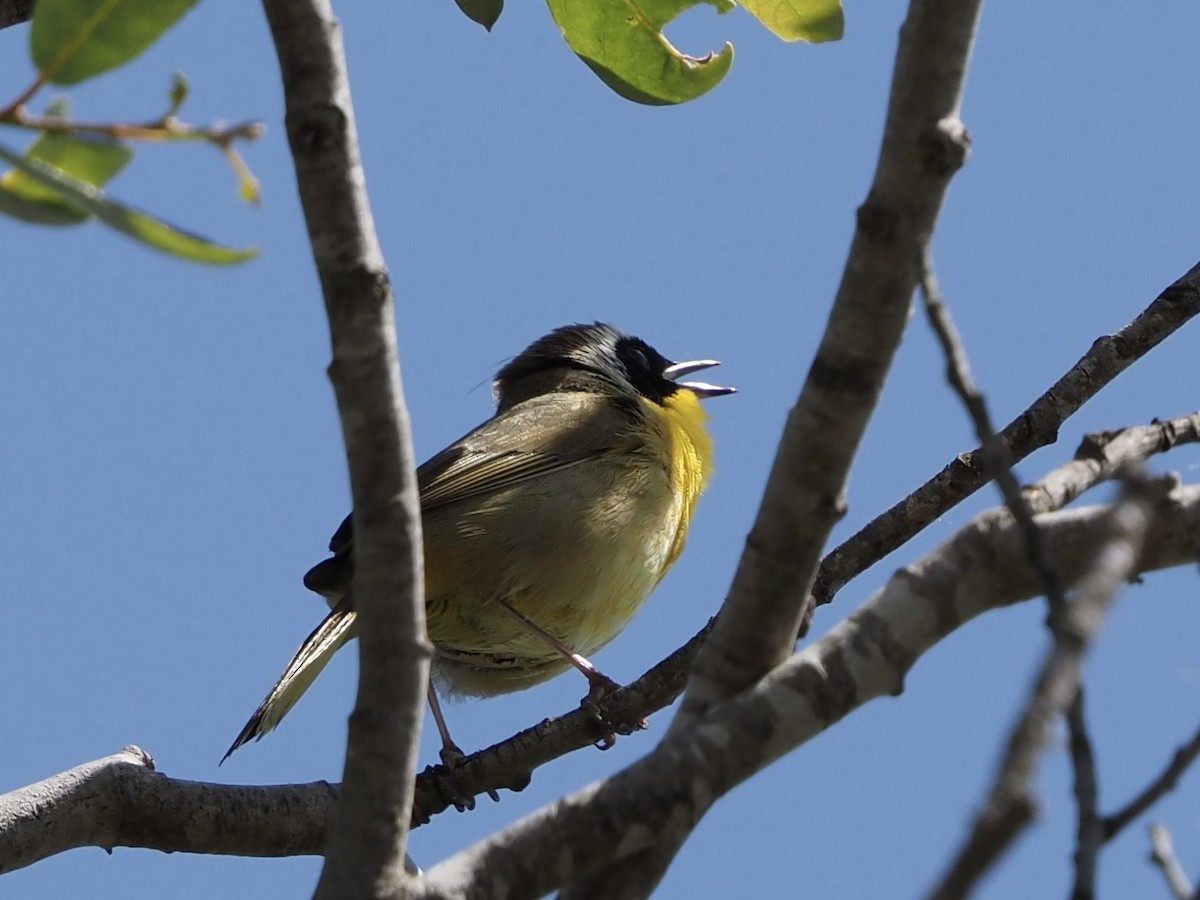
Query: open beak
point(700, 388)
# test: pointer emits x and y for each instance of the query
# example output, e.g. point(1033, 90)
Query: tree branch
point(120, 801)
point(510, 763)
point(662, 796)
point(1156, 790)
point(924, 144)
point(1011, 805)
point(1036, 427)
point(982, 567)
point(1089, 835)
point(366, 851)
point(993, 454)
point(14, 12)
point(1162, 855)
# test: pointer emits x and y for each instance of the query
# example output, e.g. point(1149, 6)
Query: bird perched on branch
point(545, 528)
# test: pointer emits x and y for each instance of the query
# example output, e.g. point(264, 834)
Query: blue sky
point(172, 463)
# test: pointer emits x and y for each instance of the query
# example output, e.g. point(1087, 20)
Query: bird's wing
point(534, 438)
point(530, 440)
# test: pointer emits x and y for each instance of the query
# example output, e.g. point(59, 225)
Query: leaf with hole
point(800, 20)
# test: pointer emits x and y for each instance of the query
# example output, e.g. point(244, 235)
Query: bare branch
point(120, 801)
point(924, 144)
point(365, 857)
point(1034, 428)
point(661, 797)
point(1094, 832)
point(1156, 790)
point(1163, 856)
point(1089, 837)
point(14, 12)
point(994, 454)
point(1011, 805)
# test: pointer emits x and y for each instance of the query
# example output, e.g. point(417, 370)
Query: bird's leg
point(599, 684)
point(451, 754)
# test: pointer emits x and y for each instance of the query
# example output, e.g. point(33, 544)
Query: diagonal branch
point(365, 856)
point(1036, 427)
point(1156, 790)
point(993, 454)
point(1162, 855)
point(924, 144)
point(1011, 805)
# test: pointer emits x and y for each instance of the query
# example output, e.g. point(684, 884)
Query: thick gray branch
point(366, 853)
point(120, 801)
point(924, 144)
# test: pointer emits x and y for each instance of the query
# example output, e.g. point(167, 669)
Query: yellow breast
point(691, 452)
point(605, 534)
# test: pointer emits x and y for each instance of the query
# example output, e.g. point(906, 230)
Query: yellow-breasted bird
point(546, 527)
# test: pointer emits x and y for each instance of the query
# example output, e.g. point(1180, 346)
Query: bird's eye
point(637, 356)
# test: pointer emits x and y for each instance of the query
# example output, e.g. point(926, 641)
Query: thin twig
point(168, 128)
point(996, 462)
point(1011, 805)
point(1162, 855)
point(1089, 837)
point(998, 466)
point(1036, 427)
point(1183, 757)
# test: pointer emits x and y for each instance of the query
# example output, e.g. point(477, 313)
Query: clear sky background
point(171, 462)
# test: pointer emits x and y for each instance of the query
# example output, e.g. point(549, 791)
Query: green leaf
point(180, 88)
point(72, 40)
point(800, 20)
point(93, 160)
point(38, 212)
point(622, 41)
point(89, 159)
point(485, 12)
point(134, 223)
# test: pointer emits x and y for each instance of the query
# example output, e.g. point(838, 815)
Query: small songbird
point(546, 528)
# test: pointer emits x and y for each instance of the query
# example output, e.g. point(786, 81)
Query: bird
point(545, 528)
